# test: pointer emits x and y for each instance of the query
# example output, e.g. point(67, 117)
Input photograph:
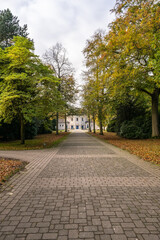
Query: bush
point(131, 109)
point(45, 126)
point(130, 130)
point(12, 131)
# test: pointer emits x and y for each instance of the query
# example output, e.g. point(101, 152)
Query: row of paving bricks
point(84, 189)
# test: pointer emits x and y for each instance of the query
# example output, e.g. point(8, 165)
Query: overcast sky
point(70, 22)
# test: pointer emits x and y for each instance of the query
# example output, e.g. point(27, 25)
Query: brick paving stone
point(49, 236)
point(10, 237)
point(151, 237)
point(118, 237)
point(34, 236)
point(62, 238)
point(84, 189)
point(73, 234)
point(86, 234)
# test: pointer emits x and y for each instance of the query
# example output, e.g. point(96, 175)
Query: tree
point(9, 27)
point(97, 81)
point(89, 101)
point(133, 44)
point(20, 76)
point(56, 58)
point(68, 91)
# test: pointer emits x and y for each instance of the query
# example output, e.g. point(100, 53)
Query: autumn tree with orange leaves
point(134, 44)
point(129, 54)
point(96, 85)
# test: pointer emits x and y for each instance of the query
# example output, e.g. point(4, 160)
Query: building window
point(60, 125)
point(76, 119)
point(72, 119)
point(71, 126)
point(82, 119)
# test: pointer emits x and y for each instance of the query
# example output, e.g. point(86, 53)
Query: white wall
point(75, 122)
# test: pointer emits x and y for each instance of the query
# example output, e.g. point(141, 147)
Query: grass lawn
point(147, 149)
point(39, 142)
point(9, 167)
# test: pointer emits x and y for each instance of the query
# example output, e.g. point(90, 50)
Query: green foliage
point(31, 129)
point(138, 128)
point(130, 130)
point(129, 110)
point(12, 131)
point(95, 97)
point(9, 27)
point(18, 88)
point(45, 126)
point(126, 59)
point(112, 126)
point(28, 88)
point(132, 118)
point(132, 47)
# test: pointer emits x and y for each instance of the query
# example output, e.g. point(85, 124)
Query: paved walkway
point(85, 189)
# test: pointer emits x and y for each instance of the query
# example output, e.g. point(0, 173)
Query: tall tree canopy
point(126, 59)
point(134, 43)
point(9, 27)
point(22, 77)
point(56, 58)
point(96, 81)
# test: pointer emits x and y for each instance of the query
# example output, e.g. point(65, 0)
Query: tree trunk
point(65, 117)
point(57, 118)
point(94, 125)
point(101, 127)
point(22, 130)
point(100, 120)
point(155, 120)
point(89, 124)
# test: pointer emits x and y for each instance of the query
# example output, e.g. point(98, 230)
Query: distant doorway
point(82, 127)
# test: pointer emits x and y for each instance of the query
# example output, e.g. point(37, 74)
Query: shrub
point(45, 126)
point(12, 131)
point(130, 130)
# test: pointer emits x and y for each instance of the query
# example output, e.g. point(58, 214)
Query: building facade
point(75, 123)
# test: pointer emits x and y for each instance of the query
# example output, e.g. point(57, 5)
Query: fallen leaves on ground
point(8, 168)
point(147, 149)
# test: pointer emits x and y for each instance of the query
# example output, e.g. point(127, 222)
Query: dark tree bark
point(155, 117)
point(100, 120)
point(89, 124)
point(57, 118)
point(22, 129)
point(155, 120)
point(65, 117)
point(94, 124)
point(101, 127)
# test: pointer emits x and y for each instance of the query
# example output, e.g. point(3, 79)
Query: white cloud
point(70, 22)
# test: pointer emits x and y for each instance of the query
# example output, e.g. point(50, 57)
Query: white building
point(75, 123)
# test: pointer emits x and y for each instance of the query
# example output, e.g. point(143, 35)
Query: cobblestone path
point(85, 189)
